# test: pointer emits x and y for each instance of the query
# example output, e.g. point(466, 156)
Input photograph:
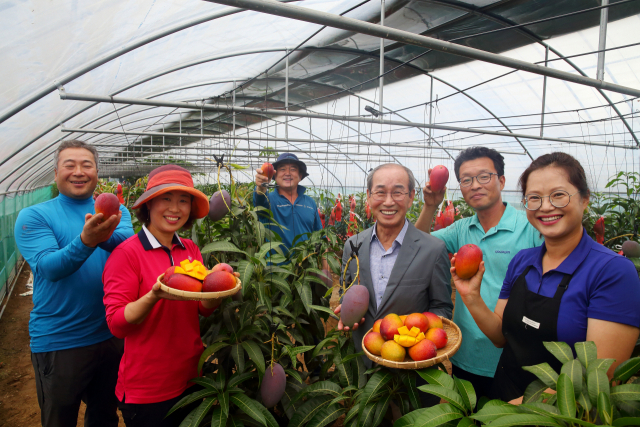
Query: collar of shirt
point(301, 190)
point(149, 241)
point(399, 238)
point(573, 261)
point(507, 222)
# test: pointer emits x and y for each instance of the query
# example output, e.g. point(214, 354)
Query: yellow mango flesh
point(194, 269)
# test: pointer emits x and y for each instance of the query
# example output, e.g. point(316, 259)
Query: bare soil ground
point(18, 401)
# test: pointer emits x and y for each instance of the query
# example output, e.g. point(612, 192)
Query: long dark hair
point(569, 164)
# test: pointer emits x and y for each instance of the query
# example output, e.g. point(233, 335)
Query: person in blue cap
point(296, 212)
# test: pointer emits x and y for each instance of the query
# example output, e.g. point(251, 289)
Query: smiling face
point(389, 213)
point(552, 222)
point(76, 173)
point(481, 196)
point(168, 212)
point(287, 176)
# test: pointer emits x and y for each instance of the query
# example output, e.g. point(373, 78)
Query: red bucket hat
point(173, 177)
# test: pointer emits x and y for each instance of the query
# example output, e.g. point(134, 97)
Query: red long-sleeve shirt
point(160, 354)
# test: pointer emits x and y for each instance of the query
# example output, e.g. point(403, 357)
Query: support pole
point(430, 107)
point(268, 112)
point(602, 41)
point(332, 20)
point(544, 92)
point(382, 13)
point(286, 95)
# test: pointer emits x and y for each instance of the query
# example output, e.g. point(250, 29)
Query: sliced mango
point(406, 340)
point(413, 332)
point(194, 269)
point(420, 336)
point(403, 330)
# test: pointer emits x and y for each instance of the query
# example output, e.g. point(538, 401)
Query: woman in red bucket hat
point(162, 336)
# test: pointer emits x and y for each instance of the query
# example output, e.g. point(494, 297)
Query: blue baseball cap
point(287, 158)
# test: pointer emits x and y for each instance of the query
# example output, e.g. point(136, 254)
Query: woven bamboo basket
point(454, 339)
point(176, 294)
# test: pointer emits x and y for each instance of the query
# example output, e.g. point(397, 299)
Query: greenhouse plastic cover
point(198, 52)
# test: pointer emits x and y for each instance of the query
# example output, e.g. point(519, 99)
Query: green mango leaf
point(468, 394)
point(573, 369)
point(271, 421)
point(290, 407)
point(249, 406)
point(560, 350)
point(207, 383)
point(218, 418)
point(540, 409)
point(525, 420)
point(320, 388)
point(308, 410)
point(355, 410)
point(366, 416)
point(328, 293)
point(566, 396)
point(628, 408)
point(234, 422)
point(267, 247)
point(626, 369)
point(279, 283)
point(208, 352)
point(324, 310)
point(410, 383)
point(360, 378)
point(274, 269)
point(326, 415)
point(626, 421)
point(223, 400)
point(605, 410)
point(190, 398)
point(344, 371)
point(381, 408)
point(375, 383)
point(625, 392)
point(533, 391)
point(239, 378)
point(465, 422)
point(437, 377)
point(583, 400)
point(603, 364)
point(237, 167)
point(490, 413)
point(245, 269)
point(196, 416)
point(587, 352)
point(450, 396)
point(430, 417)
point(321, 345)
point(222, 246)
point(255, 354)
point(597, 381)
point(545, 373)
point(237, 353)
point(295, 374)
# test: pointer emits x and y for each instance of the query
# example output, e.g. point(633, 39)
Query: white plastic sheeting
point(42, 43)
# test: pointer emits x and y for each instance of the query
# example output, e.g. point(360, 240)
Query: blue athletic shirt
point(298, 218)
point(68, 311)
point(604, 286)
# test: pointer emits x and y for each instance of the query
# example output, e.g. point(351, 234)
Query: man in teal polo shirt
point(500, 231)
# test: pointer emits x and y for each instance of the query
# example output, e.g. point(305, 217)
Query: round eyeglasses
point(558, 199)
point(483, 178)
point(381, 196)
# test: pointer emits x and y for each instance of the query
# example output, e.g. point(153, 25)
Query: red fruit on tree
point(338, 208)
point(598, 229)
point(352, 203)
point(468, 261)
point(321, 214)
point(107, 204)
point(438, 178)
point(332, 217)
point(367, 210)
point(119, 194)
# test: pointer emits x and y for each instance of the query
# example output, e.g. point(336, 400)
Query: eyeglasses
point(558, 199)
point(381, 196)
point(483, 178)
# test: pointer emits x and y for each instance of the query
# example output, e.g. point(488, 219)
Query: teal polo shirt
point(499, 245)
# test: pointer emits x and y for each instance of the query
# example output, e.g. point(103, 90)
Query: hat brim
point(301, 165)
point(199, 205)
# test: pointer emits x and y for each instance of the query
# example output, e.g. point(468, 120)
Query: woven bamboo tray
point(454, 339)
point(176, 294)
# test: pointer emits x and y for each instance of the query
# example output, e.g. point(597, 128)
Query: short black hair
point(473, 153)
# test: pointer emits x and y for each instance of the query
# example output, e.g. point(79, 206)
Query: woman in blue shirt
point(569, 289)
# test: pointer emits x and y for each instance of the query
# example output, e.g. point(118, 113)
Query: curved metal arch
point(537, 39)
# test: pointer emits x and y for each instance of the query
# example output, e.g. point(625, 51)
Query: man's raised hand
point(341, 326)
point(96, 230)
point(431, 198)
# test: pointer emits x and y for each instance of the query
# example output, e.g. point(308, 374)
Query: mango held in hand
point(107, 204)
point(468, 261)
point(268, 170)
point(273, 385)
point(438, 178)
point(355, 304)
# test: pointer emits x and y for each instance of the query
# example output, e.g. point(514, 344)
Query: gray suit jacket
point(420, 279)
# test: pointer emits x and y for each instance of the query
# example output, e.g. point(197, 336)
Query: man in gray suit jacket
point(405, 270)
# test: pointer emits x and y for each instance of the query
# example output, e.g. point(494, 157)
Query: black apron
point(528, 320)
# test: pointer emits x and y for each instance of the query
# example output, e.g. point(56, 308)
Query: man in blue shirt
point(66, 244)
point(296, 212)
point(500, 231)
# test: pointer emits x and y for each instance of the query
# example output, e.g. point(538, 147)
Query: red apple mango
point(438, 178)
point(468, 261)
point(107, 204)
